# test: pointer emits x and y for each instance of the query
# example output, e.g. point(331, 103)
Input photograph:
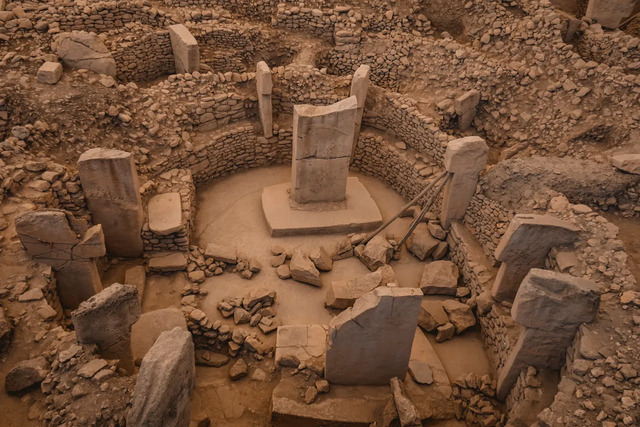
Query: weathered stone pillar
point(465, 158)
point(610, 13)
point(322, 142)
point(110, 183)
point(359, 88)
point(551, 306)
point(370, 343)
point(58, 239)
point(525, 245)
point(162, 396)
point(466, 108)
point(264, 85)
point(186, 52)
point(106, 318)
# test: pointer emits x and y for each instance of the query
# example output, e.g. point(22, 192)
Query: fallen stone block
point(165, 213)
point(459, 314)
point(629, 163)
point(377, 252)
point(175, 261)
point(79, 49)
point(343, 294)
point(303, 270)
point(421, 243)
point(440, 278)
point(221, 253)
point(26, 374)
point(49, 73)
point(432, 315)
point(321, 259)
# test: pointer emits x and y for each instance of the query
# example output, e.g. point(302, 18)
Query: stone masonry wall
point(147, 58)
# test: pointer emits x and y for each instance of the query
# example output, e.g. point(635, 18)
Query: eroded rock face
point(5, 331)
point(79, 49)
point(165, 382)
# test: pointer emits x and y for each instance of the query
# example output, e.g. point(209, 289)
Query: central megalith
point(322, 141)
point(186, 53)
point(67, 244)
point(110, 183)
point(162, 396)
point(370, 343)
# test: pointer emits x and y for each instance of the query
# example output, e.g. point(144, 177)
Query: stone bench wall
point(173, 181)
point(146, 58)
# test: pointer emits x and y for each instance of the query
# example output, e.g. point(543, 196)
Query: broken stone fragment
point(376, 253)
point(421, 243)
point(420, 372)
point(92, 367)
point(445, 332)
point(432, 315)
point(165, 213)
point(79, 49)
point(321, 259)
point(459, 314)
point(283, 272)
point(263, 296)
point(310, 395)
point(629, 163)
point(407, 412)
point(439, 278)
point(343, 294)
point(238, 370)
point(303, 270)
point(175, 261)
point(26, 374)
point(49, 73)
point(240, 315)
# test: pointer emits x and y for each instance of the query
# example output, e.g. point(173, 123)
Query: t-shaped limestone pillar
point(370, 343)
point(525, 245)
point(106, 318)
point(322, 142)
point(359, 88)
point(110, 183)
point(56, 238)
point(551, 306)
point(264, 85)
point(465, 158)
point(186, 52)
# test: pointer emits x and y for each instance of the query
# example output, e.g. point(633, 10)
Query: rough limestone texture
point(49, 73)
point(466, 108)
point(297, 344)
point(609, 13)
point(440, 278)
point(303, 270)
point(79, 49)
point(111, 187)
point(629, 163)
point(165, 213)
point(525, 245)
point(26, 375)
point(150, 325)
point(344, 293)
point(465, 158)
point(51, 237)
point(264, 86)
point(432, 315)
point(186, 52)
point(421, 243)
point(460, 315)
point(322, 145)
point(407, 412)
point(551, 306)
point(165, 383)
point(359, 88)
point(370, 343)
point(376, 253)
point(136, 276)
point(106, 319)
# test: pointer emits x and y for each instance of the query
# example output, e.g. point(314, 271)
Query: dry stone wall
point(147, 58)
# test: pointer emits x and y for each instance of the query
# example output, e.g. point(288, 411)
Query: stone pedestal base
point(360, 213)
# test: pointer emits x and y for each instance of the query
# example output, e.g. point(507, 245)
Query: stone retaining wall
point(147, 58)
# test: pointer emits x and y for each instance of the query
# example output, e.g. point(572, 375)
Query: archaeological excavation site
point(323, 213)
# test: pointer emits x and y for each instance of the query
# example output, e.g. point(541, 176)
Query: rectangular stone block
point(186, 52)
point(49, 73)
point(609, 13)
point(370, 343)
point(165, 213)
point(111, 187)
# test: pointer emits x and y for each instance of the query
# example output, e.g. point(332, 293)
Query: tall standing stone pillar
point(186, 52)
point(110, 183)
point(359, 88)
point(264, 85)
point(465, 158)
point(322, 142)
point(370, 343)
point(525, 245)
point(466, 107)
point(610, 13)
point(551, 306)
point(69, 246)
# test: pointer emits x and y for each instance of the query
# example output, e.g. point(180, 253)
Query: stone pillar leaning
point(359, 88)
point(110, 184)
point(186, 53)
point(370, 343)
point(610, 13)
point(465, 158)
point(69, 246)
point(264, 85)
point(322, 142)
point(551, 306)
point(106, 319)
point(525, 245)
